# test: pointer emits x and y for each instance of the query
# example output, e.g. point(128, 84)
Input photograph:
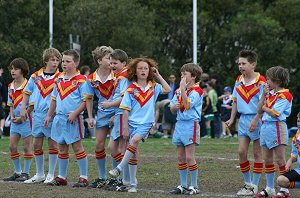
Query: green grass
point(157, 171)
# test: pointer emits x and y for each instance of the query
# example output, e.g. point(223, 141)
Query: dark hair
point(194, 69)
point(279, 75)
point(120, 55)
point(84, 69)
point(250, 55)
point(73, 53)
point(131, 69)
point(19, 63)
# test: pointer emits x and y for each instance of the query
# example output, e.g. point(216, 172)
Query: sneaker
point(23, 177)
point(114, 185)
point(48, 179)
point(282, 194)
point(247, 190)
point(58, 182)
point(132, 189)
point(12, 178)
point(192, 191)
point(98, 183)
point(35, 179)
point(179, 190)
point(268, 192)
point(81, 183)
point(115, 172)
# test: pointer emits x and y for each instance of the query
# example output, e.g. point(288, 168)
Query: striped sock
point(53, 155)
point(257, 170)
point(183, 173)
point(270, 175)
point(245, 169)
point(63, 163)
point(27, 162)
point(101, 163)
point(39, 162)
point(282, 170)
point(82, 162)
point(132, 164)
point(130, 151)
point(194, 175)
point(16, 160)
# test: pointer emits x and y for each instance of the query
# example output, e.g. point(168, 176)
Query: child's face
point(68, 64)
point(142, 70)
point(52, 63)
point(244, 66)
point(188, 77)
point(227, 93)
point(298, 122)
point(16, 73)
point(116, 65)
point(271, 85)
point(105, 62)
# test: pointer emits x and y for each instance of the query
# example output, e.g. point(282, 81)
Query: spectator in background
point(226, 110)
point(85, 70)
point(173, 85)
point(212, 94)
point(207, 113)
point(3, 99)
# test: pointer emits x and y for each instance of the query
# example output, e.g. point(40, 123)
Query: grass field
point(157, 173)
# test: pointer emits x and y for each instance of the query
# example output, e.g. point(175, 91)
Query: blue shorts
point(23, 129)
point(103, 118)
point(186, 133)
point(38, 129)
point(142, 130)
point(273, 134)
point(243, 127)
point(118, 128)
point(64, 132)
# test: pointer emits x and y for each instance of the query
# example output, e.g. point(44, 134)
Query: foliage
point(158, 29)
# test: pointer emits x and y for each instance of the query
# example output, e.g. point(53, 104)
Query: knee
point(181, 160)
point(13, 148)
point(242, 154)
point(100, 145)
point(257, 155)
point(283, 181)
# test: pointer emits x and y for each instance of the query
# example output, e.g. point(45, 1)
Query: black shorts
point(2, 113)
point(292, 175)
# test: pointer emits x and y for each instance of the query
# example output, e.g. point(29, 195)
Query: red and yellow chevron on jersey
point(195, 88)
point(284, 94)
point(65, 88)
point(105, 89)
point(16, 95)
point(120, 75)
point(45, 86)
point(141, 97)
point(247, 92)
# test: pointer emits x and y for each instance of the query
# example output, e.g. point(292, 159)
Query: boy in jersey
point(275, 105)
point(247, 91)
point(101, 83)
point(187, 103)
point(40, 87)
point(18, 129)
point(68, 102)
point(117, 144)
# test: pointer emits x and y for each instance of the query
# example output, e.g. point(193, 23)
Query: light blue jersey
point(247, 95)
point(194, 107)
point(103, 91)
point(141, 104)
point(14, 101)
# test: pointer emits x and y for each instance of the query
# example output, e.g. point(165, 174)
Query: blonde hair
point(50, 52)
point(100, 52)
